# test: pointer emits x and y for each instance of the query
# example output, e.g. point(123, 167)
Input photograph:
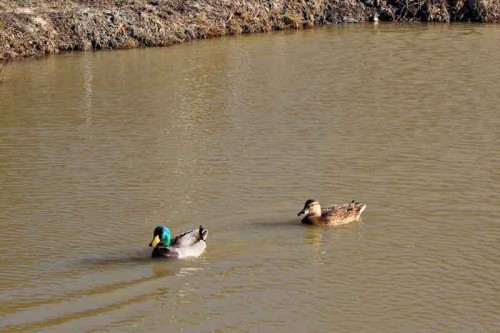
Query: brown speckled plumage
point(333, 215)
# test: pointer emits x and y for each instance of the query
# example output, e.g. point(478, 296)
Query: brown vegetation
point(34, 27)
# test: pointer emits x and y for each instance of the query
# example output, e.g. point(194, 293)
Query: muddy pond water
point(96, 149)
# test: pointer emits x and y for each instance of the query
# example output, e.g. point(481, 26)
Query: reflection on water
point(313, 236)
point(235, 134)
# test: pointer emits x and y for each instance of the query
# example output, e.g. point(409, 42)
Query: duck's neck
point(310, 219)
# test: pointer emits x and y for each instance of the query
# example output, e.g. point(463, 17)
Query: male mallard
point(333, 215)
point(187, 244)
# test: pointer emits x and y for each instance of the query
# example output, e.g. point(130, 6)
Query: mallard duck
point(333, 215)
point(190, 243)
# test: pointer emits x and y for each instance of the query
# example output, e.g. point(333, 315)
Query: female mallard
point(333, 215)
point(187, 244)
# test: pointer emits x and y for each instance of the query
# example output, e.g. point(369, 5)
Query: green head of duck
point(161, 236)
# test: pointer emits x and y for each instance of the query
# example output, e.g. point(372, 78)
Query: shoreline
point(40, 28)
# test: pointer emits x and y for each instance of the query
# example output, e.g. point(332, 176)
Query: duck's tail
point(362, 209)
point(203, 233)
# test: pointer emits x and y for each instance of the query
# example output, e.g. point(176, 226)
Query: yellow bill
point(155, 241)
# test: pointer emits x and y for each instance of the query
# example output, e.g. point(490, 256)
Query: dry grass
point(34, 27)
point(294, 19)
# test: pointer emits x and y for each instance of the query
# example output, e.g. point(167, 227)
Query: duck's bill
point(303, 211)
point(155, 241)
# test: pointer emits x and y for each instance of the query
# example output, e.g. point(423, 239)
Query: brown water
point(235, 134)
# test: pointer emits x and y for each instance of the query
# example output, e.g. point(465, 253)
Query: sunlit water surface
point(96, 149)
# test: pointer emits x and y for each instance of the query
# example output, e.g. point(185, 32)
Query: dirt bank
point(35, 28)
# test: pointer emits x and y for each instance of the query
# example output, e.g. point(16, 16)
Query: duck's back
point(190, 237)
point(341, 214)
